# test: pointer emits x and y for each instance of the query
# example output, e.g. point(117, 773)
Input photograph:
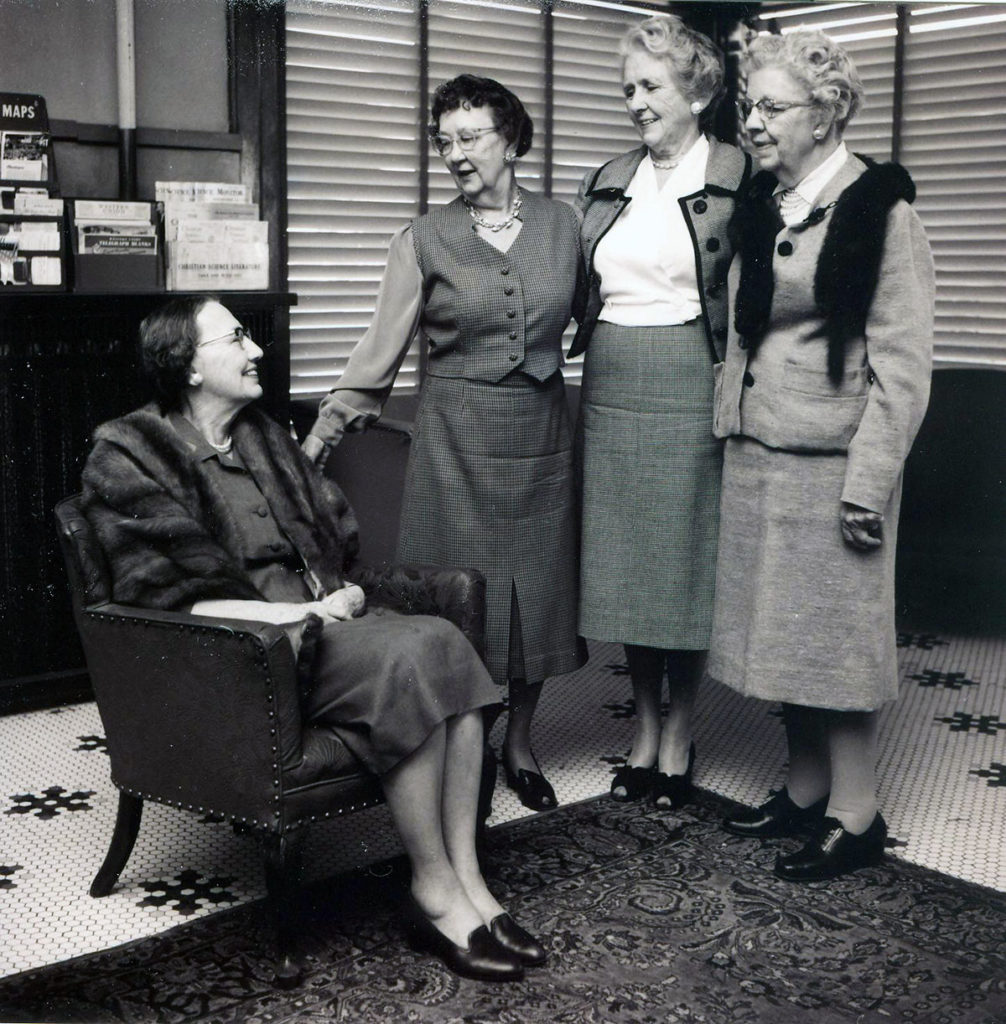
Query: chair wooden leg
point(281, 856)
point(127, 825)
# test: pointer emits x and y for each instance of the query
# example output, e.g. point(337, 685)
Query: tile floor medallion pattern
point(942, 768)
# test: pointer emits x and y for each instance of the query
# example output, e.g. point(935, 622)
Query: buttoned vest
point(488, 313)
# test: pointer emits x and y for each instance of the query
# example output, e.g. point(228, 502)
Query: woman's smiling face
point(658, 108)
point(784, 144)
point(226, 364)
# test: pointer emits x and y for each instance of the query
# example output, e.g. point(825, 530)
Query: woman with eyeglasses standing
point(657, 253)
point(487, 282)
point(824, 386)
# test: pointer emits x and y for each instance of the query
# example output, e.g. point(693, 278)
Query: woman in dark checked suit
point(488, 283)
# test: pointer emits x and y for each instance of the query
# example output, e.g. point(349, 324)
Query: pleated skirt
point(489, 486)
point(650, 477)
point(800, 616)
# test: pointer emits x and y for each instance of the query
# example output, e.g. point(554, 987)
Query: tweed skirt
point(650, 476)
point(383, 682)
point(800, 616)
point(489, 486)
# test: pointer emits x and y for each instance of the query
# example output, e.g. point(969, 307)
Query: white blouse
point(646, 261)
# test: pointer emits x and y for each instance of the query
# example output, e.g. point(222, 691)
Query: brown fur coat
point(167, 532)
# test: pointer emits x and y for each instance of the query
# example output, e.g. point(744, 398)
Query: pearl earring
point(696, 108)
point(508, 158)
point(818, 134)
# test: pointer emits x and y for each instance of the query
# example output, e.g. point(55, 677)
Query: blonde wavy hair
point(818, 62)
point(694, 59)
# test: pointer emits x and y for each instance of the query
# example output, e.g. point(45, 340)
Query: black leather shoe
point(671, 792)
point(532, 788)
point(834, 852)
point(509, 934)
point(484, 959)
point(778, 816)
point(637, 783)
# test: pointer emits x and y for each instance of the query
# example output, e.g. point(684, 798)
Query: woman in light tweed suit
point(488, 282)
point(657, 253)
point(824, 386)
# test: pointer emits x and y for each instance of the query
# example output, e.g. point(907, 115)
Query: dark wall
point(952, 544)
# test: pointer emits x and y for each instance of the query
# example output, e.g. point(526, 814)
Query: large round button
point(504, 271)
point(785, 248)
point(513, 335)
point(742, 343)
point(511, 313)
point(748, 379)
point(513, 357)
point(713, 245)
point(700, 206)
point(508, 290)
point(262, 511)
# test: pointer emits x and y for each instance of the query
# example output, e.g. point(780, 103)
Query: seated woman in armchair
point(202, 503)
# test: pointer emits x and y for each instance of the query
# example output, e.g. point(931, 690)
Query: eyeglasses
point(237, 335)
point(767, 108)
point(465, 139)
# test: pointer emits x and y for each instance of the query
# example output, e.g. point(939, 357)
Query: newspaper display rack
point(32, 225)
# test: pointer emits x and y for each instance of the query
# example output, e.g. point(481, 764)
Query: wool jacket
point(837, 356)
point(168, 533)
point(602, 198)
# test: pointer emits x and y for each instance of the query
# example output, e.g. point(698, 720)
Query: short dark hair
point(168, 339)
point(472, 91)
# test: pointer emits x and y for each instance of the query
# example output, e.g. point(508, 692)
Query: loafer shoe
point(834, 852)
point(514, 939)
point(778, 816)
point(484, 959)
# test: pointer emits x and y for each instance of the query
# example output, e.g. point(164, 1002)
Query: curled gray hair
point(817, 61)
point(694, 59)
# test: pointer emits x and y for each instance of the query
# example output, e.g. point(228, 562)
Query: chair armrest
point(458, 595)
point(201, 712)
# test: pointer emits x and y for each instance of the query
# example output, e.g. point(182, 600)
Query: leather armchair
point(204, 714)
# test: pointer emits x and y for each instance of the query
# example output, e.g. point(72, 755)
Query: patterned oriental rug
point(650, 918)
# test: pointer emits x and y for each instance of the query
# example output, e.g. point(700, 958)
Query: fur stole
point(169, 534)
point(846, 276)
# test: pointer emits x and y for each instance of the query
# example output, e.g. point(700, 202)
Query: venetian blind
point(954, 144)
point(504, 41)
point(352, 171)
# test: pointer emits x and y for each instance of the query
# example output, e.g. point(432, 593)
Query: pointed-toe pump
point(672, 792)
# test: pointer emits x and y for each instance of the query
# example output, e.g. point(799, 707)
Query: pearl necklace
point(224, 448)
point(669, 166)
point(500, 225)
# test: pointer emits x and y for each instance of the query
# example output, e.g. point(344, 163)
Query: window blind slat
point(352, 159)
